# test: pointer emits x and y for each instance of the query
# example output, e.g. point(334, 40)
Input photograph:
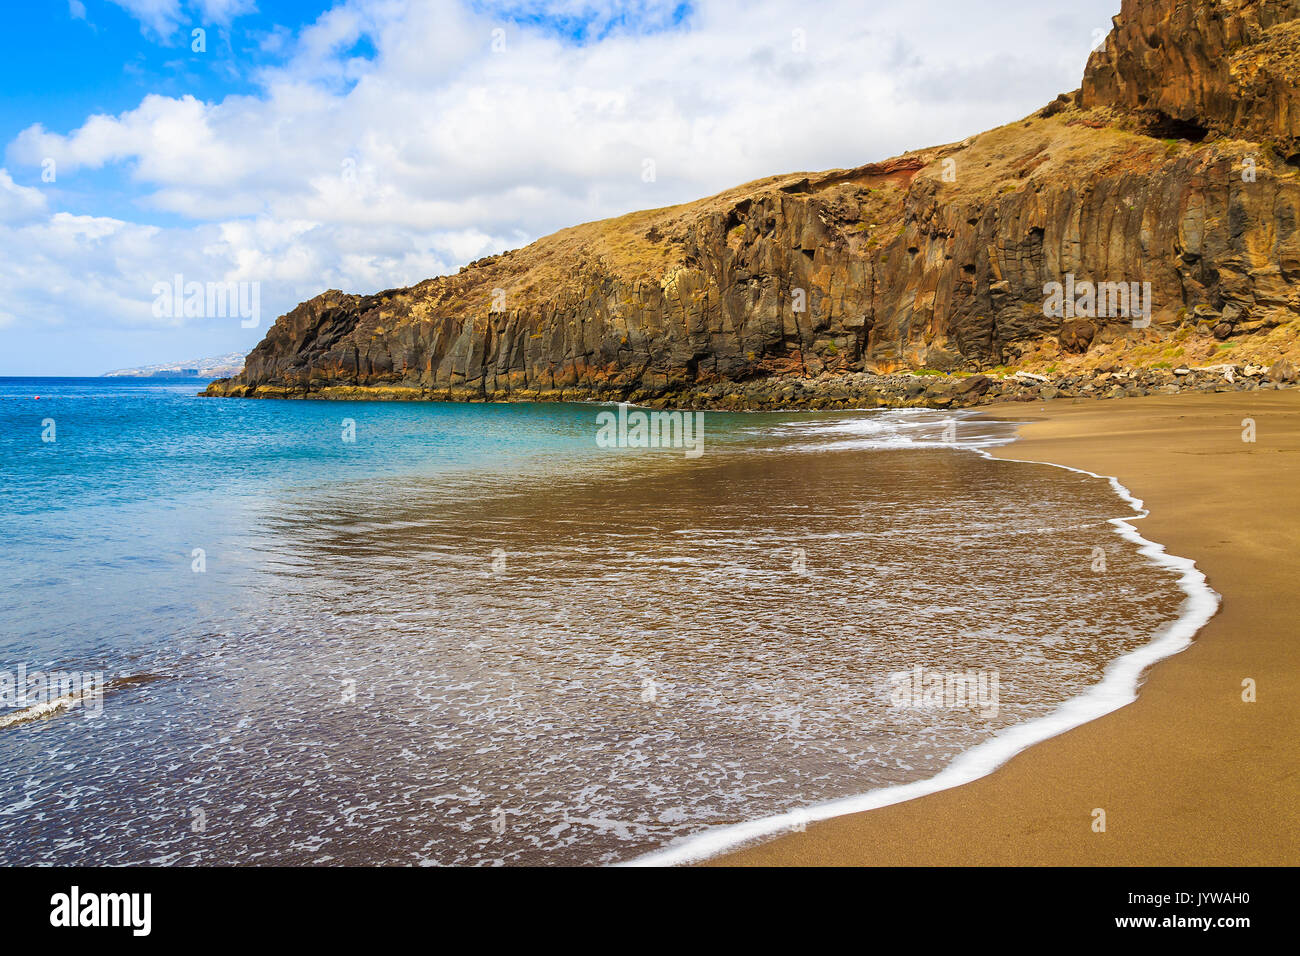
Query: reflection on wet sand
point(582, 667)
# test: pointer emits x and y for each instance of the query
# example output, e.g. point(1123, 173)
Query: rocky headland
point(1163, 195)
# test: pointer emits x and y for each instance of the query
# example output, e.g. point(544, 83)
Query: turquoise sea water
point(470, 634)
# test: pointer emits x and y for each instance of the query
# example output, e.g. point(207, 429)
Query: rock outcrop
point(1163, 196)
point(1191, 68)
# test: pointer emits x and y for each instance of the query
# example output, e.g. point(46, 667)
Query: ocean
point(442, 634)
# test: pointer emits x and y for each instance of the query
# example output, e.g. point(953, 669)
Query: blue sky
point(107, 61)
point(363, 144)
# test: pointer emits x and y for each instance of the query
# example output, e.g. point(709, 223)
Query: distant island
point(219, 366)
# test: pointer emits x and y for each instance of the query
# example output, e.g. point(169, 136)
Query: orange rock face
point(1230, 67)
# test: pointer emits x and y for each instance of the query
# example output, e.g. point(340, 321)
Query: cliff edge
point(1173, 174)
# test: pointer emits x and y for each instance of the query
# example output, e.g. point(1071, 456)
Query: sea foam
point(1117, 689)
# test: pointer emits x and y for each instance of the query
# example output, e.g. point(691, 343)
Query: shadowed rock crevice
point(1162, 126)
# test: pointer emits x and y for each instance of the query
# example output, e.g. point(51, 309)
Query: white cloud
point(223, 11)
point(19, 203)
point(162, 17)
point(72, 272)
point(159, 16)
point(369, 173)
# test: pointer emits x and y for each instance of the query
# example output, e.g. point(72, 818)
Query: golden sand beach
point(1191, 773)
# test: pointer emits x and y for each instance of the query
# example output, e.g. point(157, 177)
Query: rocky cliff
point(1173, 172)
point(1193, 68)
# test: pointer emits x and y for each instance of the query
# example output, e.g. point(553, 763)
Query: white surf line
point(1118, 688)
point(47, 708)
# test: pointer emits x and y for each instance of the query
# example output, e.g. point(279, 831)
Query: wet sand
point(1189, 774)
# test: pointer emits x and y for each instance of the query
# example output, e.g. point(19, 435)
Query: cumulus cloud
point(396, 139)
point(19, 203)
point(75, 271)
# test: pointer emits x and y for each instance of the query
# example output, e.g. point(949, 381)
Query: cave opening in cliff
point(1163, 126)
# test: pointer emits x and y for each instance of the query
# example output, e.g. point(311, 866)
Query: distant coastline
point(213, 367)
point(180, 373)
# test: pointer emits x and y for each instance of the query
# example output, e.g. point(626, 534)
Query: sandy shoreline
point(1189, 773)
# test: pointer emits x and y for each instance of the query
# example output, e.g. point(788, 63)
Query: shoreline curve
point(1121, 681)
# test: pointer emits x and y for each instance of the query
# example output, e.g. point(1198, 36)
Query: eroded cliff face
point(1193, 67)
point(1173, 166)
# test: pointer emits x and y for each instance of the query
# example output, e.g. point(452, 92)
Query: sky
point(291, 147)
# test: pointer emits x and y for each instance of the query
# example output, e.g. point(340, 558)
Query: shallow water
point(473, 636)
